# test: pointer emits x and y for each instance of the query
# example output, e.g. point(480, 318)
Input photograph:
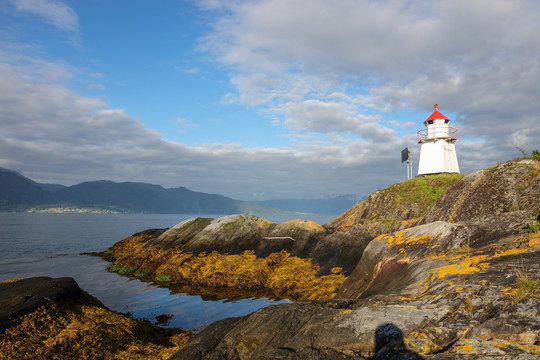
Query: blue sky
point(261, 99)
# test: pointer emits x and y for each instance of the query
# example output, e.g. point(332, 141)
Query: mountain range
point(18, 193)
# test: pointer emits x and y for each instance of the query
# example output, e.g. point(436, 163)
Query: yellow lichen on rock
point(464, 264)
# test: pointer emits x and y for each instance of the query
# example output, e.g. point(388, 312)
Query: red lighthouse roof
point(436, 115)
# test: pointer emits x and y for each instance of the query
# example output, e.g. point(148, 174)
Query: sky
point(266, 99)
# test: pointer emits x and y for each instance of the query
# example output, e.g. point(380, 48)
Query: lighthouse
point(437, 150)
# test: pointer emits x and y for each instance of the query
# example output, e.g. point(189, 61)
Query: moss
point(142, 273)
point(425, 190)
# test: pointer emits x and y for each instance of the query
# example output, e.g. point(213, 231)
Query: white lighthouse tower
point(437, 152)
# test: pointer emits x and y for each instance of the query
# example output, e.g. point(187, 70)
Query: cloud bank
point(335, 75)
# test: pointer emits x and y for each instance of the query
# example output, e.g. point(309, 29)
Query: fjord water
point(41, 244)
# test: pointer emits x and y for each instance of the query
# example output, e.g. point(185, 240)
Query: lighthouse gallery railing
point(441, 132)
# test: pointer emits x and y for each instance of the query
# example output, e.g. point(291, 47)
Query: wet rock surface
point(21, 297)
point(46, 318)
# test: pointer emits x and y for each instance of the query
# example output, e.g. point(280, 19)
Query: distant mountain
point(18, 193)
point(148, 198)
point(335, 205)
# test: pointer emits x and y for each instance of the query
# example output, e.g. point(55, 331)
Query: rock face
point(397, 207)
point(460, 284)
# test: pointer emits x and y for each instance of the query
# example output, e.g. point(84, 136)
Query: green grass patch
point(534, 227)
point(140, 273)
point(424, 190)
point(118, 268)
point(535, 154)
point(526, 285)
point(163, 278)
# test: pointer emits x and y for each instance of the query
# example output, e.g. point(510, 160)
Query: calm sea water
point(50, 244)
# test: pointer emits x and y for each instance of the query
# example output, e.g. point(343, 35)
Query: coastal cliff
point(461, 284)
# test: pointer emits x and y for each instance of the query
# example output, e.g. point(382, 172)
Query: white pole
point(410, 157)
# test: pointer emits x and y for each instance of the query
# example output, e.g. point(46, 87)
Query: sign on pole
point(406, 156)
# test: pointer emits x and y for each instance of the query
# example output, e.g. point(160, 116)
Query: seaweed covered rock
point(61, 321)
point(22, 296)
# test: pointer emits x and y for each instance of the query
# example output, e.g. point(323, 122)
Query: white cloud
point(55, 13)
point(185, 124)
point(328, 66)
point(328, 72)
point(94, 86)
point(52, 134)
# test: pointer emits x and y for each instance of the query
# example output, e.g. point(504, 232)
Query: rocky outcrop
point(399, 206)
point(238, 255)
point(461, 284)
point(445, 304)
point(44, 318)
point(451, 264)
point(511, 188)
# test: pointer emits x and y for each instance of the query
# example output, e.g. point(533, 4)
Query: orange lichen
point(535, 241)
point(399, 238)
point(9, 281)
point(421, 342)
point(463, 264)
point(465, 348)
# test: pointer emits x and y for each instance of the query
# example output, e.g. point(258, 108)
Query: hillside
point(18, 193)
point(399, 206)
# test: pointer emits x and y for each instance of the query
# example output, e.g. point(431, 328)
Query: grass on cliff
point(413, 197)
point(85, 329)
point(425, 190)
point(526, 285)
point(278, 275)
